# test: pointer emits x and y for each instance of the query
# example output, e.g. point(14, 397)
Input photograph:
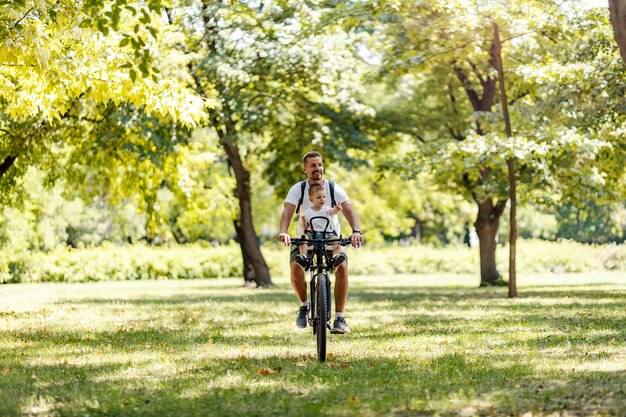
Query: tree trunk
point(486, 225)
point(416, 230)
point(512, 229)
point(617, 8)
point(510, 162)
point(179, 235)
point(248, 270)
point(488, 219)
point(249, 240)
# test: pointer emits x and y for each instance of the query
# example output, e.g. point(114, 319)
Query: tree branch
point(499, 208)
point(22, 18)
point(6, 164)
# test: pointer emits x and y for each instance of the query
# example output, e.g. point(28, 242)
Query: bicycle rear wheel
point(322, 316)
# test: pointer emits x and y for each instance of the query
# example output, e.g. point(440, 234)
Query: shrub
point(141, 262)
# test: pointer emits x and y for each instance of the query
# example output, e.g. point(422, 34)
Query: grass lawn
point(419, 346)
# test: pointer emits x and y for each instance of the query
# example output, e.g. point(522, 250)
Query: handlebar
point(325, 241)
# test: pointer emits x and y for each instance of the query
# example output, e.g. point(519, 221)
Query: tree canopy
point(195, 115)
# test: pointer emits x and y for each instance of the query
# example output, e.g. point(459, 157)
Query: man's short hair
point(312, 154)
point(315, 187)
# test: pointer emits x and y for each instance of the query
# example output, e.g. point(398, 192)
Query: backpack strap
point(332, 193)
point(302, 187)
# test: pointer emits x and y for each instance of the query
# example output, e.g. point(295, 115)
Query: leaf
point(143, 67)
point(124, 42)
point(264, 371)
point(102, 26)
point(86, 23)
point(5, 371)
point(133, 75)
point(145, 18)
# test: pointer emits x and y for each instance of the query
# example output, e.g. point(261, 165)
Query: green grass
point(211, 348)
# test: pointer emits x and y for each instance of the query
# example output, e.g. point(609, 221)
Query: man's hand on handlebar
point(285, 238)
point(357, 239)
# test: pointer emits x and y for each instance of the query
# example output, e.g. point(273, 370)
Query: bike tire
point(322, 316)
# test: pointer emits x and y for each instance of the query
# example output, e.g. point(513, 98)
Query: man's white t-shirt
point(294, 196)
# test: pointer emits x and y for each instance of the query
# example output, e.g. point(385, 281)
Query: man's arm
point(303, 222)
point(285, 219)
point(353, 221)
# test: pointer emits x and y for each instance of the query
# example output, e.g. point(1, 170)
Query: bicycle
point(321, 292)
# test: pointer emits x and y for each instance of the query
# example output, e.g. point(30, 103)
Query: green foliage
point(141, 262)
point(286, 80)
point(593, 222)
point(56, 53)
point(534, 224)
point(120, 263)
point(106, 96)
point(390, 207)
point(46, 218)
point(437, 57)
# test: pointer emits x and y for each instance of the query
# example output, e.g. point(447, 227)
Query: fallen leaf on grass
point(209, 342)
point(353, 400)
point(267, 371)
point(5, 371)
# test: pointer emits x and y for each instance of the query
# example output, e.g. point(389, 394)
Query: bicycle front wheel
point(322, 316)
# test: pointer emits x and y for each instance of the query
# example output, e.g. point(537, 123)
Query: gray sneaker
point(302, 319)
point(340, 326)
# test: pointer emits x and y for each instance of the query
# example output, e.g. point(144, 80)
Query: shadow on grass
point(172, 376)
point(398, 294)
point(560, 317)
point(297, 385)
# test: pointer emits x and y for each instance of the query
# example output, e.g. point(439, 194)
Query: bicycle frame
point(321, 293)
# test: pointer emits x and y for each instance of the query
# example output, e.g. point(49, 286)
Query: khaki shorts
point(296, 250)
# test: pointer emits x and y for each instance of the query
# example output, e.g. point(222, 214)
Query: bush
point(117, 263)
point(141, 262)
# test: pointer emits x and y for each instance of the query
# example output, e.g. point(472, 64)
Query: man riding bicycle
point(296, 201)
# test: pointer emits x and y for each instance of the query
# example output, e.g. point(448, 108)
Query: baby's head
point(317, 195)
